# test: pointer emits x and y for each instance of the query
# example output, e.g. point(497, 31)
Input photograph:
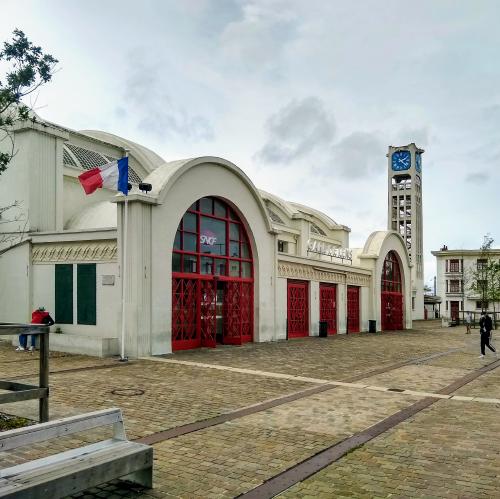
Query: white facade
point(67, 230)
point(453, 281)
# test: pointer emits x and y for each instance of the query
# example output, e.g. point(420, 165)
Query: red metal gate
point(185, 314)
point(328, 306)
point(392, 311)
point(207, 313)
point(391, 298)
point(246, 310)
point(352, 309)
point(232, 313)
point(298, 309)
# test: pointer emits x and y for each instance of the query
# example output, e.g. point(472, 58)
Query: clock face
point(401, 160)
point(418, 162)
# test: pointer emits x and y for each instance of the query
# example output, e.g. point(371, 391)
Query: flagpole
point(124, 273)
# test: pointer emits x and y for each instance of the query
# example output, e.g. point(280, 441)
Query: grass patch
point(10, 422)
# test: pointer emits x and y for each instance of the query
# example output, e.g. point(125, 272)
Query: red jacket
point(41, 317)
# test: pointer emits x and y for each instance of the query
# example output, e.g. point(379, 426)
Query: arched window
point(391, 274)
point(211, 240)
point(212, 278)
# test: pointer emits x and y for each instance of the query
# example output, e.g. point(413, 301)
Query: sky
point(304, 96)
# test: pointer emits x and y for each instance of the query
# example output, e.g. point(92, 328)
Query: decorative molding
point(358, 280)
point(297, 271)
point(88, 251)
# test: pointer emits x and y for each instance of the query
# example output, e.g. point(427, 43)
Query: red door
point(212, 277)
point(391, 311)
point(246, 311)
point(185, 314)
point(328, 306)
point(232, 314)
point(454, 310)
point(207, 313)
point(237, 313)
point(391, 298)
point(352, 309)
point(298, 309)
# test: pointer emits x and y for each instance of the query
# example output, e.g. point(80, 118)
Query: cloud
point(152, 108)
point(259, 37)
point(296, 130)
point(420, 136)
point(477, 177)
point(360, 154)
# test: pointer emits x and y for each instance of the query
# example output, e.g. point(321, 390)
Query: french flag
point(112, 175)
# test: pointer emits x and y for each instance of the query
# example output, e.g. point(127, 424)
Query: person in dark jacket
point(485, 327)
point(38, 316)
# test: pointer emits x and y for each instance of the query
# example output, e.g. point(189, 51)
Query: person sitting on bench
point(38, 316)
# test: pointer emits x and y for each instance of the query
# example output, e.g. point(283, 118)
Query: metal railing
point(22, 391)
point(475, 316)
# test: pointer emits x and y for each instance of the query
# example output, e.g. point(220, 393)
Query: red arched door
point(212, 278)
point(391, 312)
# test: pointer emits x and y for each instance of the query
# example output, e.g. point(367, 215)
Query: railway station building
point(211, 259)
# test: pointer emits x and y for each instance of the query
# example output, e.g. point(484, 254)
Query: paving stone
point(448, 450)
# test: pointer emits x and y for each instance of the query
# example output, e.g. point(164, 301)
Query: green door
point(86, 293)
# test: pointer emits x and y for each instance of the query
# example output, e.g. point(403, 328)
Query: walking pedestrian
point(468, 322)
point(485, 327)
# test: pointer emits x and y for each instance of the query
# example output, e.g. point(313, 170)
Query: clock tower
point(405, 212)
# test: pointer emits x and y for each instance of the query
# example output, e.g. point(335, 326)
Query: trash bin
point(372, 326)
point(323, 329)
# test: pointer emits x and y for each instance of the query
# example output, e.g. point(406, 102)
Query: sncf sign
point(208, 238)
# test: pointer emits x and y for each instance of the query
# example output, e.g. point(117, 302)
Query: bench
point(78, 469)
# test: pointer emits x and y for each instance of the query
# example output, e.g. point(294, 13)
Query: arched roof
point(164, 177)
point(376, 242)
point(101, 215)
point(148, 159)
point(294, 210)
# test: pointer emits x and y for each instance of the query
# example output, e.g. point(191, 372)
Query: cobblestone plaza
point(282, 403)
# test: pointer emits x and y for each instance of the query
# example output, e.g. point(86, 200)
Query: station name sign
point(322, 248)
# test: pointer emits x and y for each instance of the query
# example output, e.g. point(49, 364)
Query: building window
point(282, 246)
point(63, 313)
point(446, 304)
point(86, 293)
point(454, 265)
point(482, 263)
point(212, 240)
point(482, 304)
point(391, 274)
point(315, 229)
point(454, 286)
point(413, 303)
